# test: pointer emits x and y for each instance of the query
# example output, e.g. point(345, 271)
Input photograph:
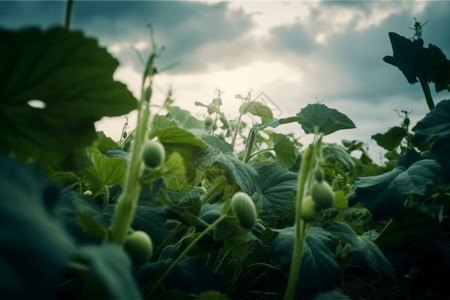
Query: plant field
point(211, 208)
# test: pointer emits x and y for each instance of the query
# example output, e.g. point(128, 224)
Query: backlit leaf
point(71, 77)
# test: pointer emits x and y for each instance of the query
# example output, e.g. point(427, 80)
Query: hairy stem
point(300, 226)
point(127, 201)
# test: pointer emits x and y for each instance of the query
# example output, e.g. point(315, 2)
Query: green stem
point(249, 145)
point(261, 151)
point(426, 91)
point(236, 130)
point(184, 253)
point(68, 17)
point(127, 201)
point(300, 227)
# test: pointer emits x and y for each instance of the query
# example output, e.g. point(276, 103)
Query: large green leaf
point(321, 119)
point(26, 223)
point(319, 271)
point(70, 78)
point(384, 194)
point(436, 123)
point(275, 193)
point(364, 253)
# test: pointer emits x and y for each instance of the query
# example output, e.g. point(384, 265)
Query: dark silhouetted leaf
point(415, 61)
point(391, 139)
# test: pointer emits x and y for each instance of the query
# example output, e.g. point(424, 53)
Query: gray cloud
point(293, 38)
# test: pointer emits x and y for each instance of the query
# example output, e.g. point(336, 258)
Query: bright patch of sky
point(296, 52)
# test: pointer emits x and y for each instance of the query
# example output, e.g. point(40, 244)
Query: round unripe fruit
point(244, 210)
point(309, 210)
point(153, 154)
point(322, 194)
point(208, 121)
point(139, 247)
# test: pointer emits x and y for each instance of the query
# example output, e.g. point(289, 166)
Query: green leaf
point(105, 171)
point(235, 238)
point(235, 170)
point(391, 139)
point(436, 123)
point(319, 270)
point(105, 143)
point(173, 172)
point(177, 135)
point(384, 194)
point(257, 109)
point(70, 77)
point(364, 252)
point(52, 247)
point(275, 193)
point(334, 152)
point(186, 120)
point(284, 150)
point(176, 139)
point(91, 226)
point(320, 118)
point(409, 222)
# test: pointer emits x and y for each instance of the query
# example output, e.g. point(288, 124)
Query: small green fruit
point(322, 194)
point(153, 154)
point(208, 121)
point(139, 247)
point(309, 210)
point(244, 209)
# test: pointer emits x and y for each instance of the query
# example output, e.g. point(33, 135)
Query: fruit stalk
point(180, 257)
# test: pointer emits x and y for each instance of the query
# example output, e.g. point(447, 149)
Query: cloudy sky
point(296, 52)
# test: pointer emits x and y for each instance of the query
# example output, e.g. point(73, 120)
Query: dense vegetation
point(175, 210)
